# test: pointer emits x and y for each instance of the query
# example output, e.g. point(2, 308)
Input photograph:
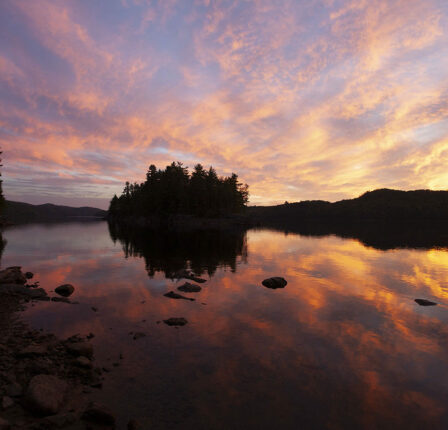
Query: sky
point(303, 99)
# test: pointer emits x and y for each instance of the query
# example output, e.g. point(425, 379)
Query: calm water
point(344, 345)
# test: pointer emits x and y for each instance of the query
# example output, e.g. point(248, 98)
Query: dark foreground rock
point(275, 282)
point(189, 288)
point(424, 302)
point(175, 321)
point(173, 295)
point(12, 275)
point(44, 381)
point(65, 290)
point(45, 394)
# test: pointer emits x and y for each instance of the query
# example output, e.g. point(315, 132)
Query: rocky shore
point(44, 381)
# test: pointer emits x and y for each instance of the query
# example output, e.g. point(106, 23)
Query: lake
point(343, 345)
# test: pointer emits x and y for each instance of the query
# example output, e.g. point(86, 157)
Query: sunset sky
point(303, 99)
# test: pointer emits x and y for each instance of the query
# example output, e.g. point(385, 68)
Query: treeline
point(382, 204)
point(175, 191)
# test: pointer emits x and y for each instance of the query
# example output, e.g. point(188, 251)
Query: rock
point(84, 362)
point(4, 425)
point(175, 321)
point(424, 302)
point(133, 425)
point(98, 414)
point(83, 349)
point(138, 335)
point(7, 402)
point(275, 282)
point(94, 309)
point(45, 394)
point(173, 295)
point(29, 275)
point(60, 299)
point(189, 288)
point(12, 275)
point(65, 290)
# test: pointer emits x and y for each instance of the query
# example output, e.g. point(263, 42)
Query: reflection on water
point(344, 345)
point(172, 251)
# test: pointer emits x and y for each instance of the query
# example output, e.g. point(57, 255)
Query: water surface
point(344, 345)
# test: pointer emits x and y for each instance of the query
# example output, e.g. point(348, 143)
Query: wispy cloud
point(313, 99)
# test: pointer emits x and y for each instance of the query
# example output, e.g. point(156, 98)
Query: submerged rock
point(189, 288)
point(424, 302)
point(138, 335)
point(65, 290)
point(173, 295)
point(275, 282)
point(175, 321)
point(45, 394)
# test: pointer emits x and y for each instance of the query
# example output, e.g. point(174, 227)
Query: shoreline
point(45, 381)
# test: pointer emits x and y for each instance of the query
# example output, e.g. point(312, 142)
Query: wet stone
point(173, 295)
point(424, 302)
point(65, 290)
point(189, 288)
point(275, 282)
point(175, 321)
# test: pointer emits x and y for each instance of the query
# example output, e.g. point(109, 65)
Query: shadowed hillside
point(383, 204)
point(17, 212)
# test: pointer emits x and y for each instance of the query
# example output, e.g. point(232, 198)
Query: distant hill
point(18, 212)
point(382, 204)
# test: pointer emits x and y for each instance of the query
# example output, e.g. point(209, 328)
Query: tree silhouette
point(175, 191)
point(2, 198)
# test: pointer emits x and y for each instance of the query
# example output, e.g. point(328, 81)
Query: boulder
point(175, 321)
point(98, 414)
point(189, 288)
point(275, 282)
point(12, 275)
point(65, 290)
point(424, 302)
point(45, 394)
point(173, 295)
point(29, 275)
point(83, 349)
